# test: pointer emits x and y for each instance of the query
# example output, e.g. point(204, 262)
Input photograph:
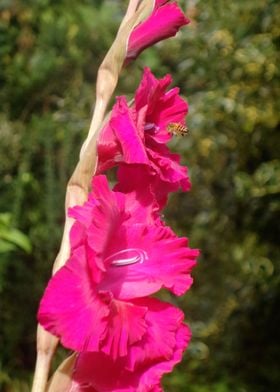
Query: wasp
point(177, 129)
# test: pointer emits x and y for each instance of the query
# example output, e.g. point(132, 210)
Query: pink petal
point(133, 150)
point(127, 325)
point(110, 212)
point(108, 148)
point(150, 90)
point(163, 107)
point(140, 198)
point(77, 235)
point(166, 334)
point(98, 372)
point(168, 168)
point(161, 260)
point(155, 373)
point(160, 349)
point(158, 181)
point(71, 309)
point(163, 23)
point(119, 140)
point(171, 109)
point(106, 216)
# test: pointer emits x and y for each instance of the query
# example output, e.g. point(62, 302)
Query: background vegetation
point(226, 65)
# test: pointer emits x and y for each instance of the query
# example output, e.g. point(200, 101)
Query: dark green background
point(226, 65)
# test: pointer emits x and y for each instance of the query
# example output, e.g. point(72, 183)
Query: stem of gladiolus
point(131, 9)
point(46, 346)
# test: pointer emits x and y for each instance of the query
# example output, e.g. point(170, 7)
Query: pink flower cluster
point(100, 303)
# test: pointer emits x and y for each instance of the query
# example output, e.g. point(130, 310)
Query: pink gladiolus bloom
point(120, 252)
point(138, 135)
point(164, 22)
point(156, 353)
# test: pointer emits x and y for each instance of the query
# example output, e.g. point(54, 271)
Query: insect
point(177, 129)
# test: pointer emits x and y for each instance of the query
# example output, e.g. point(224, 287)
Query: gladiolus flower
point(138, 135)
point(156, 353)
point(164, 22)
point(116, 258)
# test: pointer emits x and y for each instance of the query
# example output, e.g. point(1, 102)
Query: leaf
point(6, 247)
point(11, 238)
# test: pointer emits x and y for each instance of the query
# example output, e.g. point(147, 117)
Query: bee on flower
point(177, 129)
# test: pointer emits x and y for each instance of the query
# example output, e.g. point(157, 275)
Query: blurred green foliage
point(226, 65)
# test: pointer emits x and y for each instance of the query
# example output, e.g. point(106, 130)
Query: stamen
point(149, 126)
point(127, 257)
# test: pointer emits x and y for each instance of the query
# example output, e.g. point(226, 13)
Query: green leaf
point(11, 238)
